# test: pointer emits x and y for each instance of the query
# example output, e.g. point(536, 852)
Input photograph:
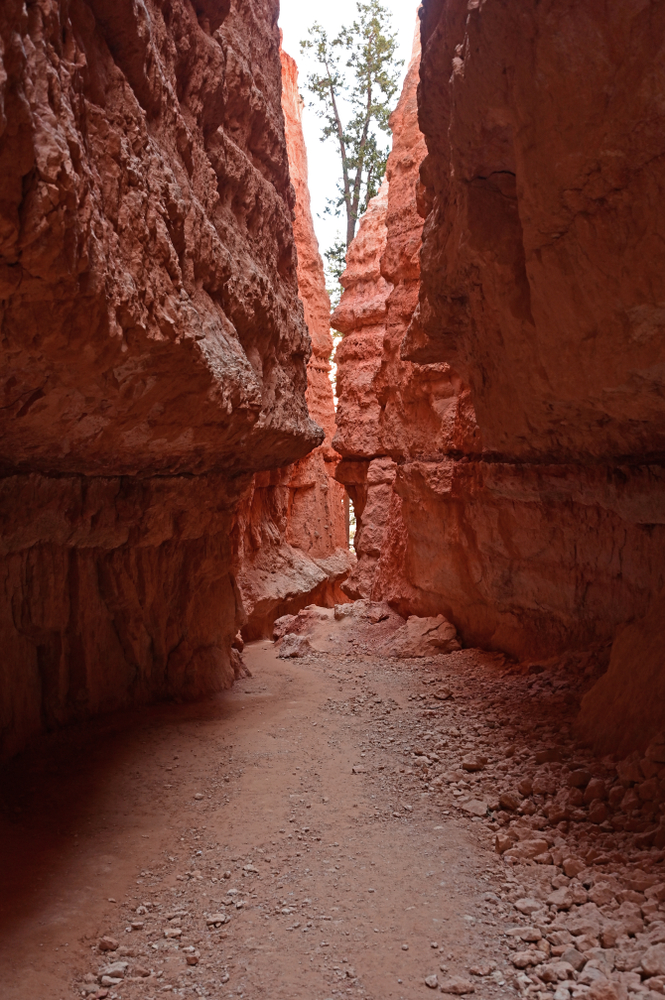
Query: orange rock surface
point(523, 408)
point(291, 531)
point(543, 276)
point(543, 280)
point(154, 346)
point(390, 409)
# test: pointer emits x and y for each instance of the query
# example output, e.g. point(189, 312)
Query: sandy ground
point(292, 809)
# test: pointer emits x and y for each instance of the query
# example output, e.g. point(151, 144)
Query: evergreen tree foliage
point(352, 88)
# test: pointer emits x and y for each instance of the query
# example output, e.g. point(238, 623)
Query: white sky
point(295, 18)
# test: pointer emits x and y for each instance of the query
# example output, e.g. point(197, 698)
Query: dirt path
point(301, 810)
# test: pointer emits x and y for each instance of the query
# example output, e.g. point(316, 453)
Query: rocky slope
point(154, 344)
point(531, 511)
point(291, 530)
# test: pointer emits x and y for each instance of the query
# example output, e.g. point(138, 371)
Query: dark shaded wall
point(154, 346)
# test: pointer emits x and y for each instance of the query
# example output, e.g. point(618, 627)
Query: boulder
point(653, 960)
point(292, 646)
point(605, 989)
point(526, 849)
point(421, 637)
point(525, 959)
point(457, 986)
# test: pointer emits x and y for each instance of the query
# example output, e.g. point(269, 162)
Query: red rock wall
point(361, 317)
point(154, 344)
point(543, 285)
point(291, 531)
point(389, 409)
point(532, 513)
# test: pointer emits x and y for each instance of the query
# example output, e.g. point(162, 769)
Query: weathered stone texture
point(154, 346)
point(115, 590)
point(542, 285)
point(527, 394)
point(291, 531)
point(624, 708)
point(150, 319)
point(543, 277)
point(389, 409)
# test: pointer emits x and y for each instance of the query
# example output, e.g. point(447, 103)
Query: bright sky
point(295, 18)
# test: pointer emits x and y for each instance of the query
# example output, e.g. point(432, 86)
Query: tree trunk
point(350, 227)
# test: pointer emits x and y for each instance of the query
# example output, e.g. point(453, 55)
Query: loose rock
point(457, 986)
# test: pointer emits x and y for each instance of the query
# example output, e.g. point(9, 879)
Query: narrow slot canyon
point(243, 753)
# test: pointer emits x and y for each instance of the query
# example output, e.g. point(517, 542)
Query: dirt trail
point(300, 809)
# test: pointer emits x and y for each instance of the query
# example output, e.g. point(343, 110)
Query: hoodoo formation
point(389, 408)
point(518, 409)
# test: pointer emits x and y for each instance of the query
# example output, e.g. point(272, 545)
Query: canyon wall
point(292, 547)
point(391, 410)
point(532, 513)
point(361, 317)
point(154, 345)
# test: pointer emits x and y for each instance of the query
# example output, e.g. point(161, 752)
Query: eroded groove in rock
point(154, 344)
point(291, 530)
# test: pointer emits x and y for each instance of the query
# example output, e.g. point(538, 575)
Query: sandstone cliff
point(154, 344)
point(291, 531)
point(532, 512)
point(361, 317)
point(390, 409)
point(542, 285)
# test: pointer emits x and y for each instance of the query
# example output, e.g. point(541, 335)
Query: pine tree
point(357, 73)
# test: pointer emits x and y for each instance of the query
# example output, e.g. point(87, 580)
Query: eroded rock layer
point(391, 410)
point(291, 531)
point(532, 511)
point(543, 284)
point(153, 341)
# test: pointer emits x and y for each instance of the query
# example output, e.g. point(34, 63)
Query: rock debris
point(321, 859)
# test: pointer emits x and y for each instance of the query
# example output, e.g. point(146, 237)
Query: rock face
point(625, 707)
point(390, 409)
point(293, 547)
point(361, 316)
point(532, 512)
point(154, 344)
point(543, 286)
point(542, 268)
point(422, 637)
